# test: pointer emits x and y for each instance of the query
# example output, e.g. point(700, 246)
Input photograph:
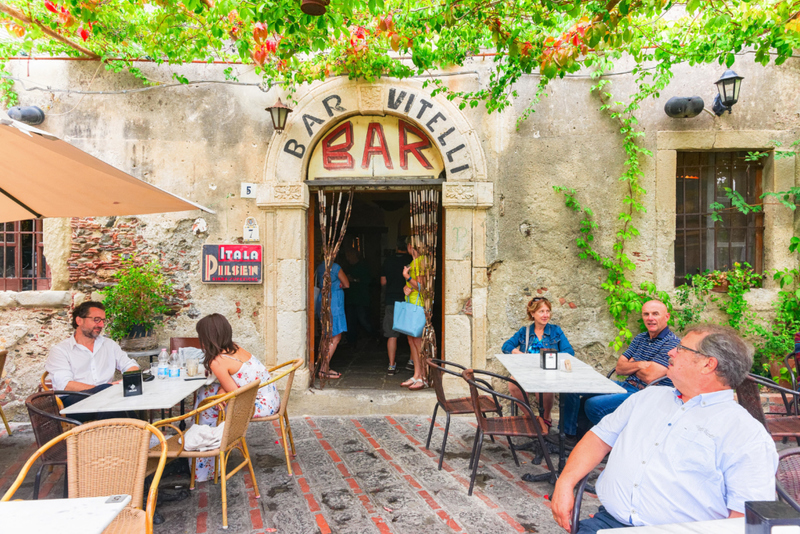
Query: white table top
point(526, 370)
point(156, 395)
point(720, 526)
point(66, 516)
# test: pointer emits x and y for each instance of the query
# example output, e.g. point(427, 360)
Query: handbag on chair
point(409, 319)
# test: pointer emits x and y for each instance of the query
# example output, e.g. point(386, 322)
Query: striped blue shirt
point(643, 348)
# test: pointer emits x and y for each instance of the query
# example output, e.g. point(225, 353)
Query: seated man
point(688, 453)
point(643, 362)
point(86, 361)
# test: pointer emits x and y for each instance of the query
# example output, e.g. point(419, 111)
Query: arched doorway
point(285, 196)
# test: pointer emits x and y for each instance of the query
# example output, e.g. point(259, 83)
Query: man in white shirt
point(87, 360)
point(682, 454)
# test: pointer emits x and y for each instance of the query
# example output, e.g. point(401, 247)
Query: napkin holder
point(770, 517)
point(132, 383)
point(548, 359)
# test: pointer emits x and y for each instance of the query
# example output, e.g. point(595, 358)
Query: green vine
point(8, 96)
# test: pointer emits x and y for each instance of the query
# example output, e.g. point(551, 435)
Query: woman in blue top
point(541, 335)
point(339, 282)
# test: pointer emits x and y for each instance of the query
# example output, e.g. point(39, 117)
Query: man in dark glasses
point(680, 454)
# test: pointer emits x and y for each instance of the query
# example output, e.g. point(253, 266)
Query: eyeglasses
point(97, 320)
point(682, 347)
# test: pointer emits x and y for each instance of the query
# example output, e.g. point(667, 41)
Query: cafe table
point(720, 526)
point(158, 394)
point(526, 369)
point(89, 515)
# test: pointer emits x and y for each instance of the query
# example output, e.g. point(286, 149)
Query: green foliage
point(690, 298)
point(370, 39)
point(739, 281)
point(138, 299)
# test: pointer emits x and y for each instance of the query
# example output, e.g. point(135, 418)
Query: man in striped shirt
point(644, 362)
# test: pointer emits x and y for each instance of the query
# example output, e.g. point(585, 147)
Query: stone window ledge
point(35, 299)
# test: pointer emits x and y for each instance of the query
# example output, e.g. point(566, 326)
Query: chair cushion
point(464, 405)
point(129, 521)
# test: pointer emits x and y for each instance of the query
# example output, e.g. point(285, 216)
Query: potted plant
point(136, 304)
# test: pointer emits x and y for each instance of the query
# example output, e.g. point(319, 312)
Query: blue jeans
point(572, 405)
point(601, 520)
point(599, 406)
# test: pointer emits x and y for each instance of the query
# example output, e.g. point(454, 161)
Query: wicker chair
point(43, 410)
point(282, 416)
point(525, 425)
point(109, 458)
point(45, 383)
point(787, 479)
point(3, 354)
point(239, 408)
point(458, 406)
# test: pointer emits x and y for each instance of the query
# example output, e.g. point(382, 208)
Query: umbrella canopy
point(43, 176)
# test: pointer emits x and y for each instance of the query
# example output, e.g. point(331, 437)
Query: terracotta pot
point(720, 288)
point(314, 8)
point(775, 370)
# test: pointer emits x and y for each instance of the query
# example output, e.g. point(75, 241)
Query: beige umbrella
point(43, 176)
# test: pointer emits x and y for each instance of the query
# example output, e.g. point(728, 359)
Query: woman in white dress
point(234, 367)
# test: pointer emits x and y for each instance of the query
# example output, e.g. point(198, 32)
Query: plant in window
point(136, 304)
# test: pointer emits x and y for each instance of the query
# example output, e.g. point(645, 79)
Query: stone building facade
point(506, 234)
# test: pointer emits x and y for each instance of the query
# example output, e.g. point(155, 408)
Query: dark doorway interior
point(377, 219)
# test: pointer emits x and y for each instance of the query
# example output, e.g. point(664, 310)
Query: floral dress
point(267, 403)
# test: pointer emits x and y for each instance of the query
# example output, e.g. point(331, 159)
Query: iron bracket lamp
point(279, 112)
point(728, 87)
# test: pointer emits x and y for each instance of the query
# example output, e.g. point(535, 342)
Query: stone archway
point(466, 195)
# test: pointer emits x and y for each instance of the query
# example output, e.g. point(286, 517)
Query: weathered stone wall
point(202, 141)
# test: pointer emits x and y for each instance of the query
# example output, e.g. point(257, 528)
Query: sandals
point(330, 374)
point(409, 382)
point(545, 424)
point(417, 384)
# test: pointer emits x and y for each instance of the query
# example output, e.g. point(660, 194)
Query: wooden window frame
point(12, 239)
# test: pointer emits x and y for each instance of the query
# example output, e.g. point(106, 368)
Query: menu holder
point(549, 359)
point(132, 383)
point(770, 517)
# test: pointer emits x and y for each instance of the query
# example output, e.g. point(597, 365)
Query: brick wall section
point(99, 247)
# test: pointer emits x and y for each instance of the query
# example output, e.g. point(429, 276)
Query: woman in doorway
point(539, 335)
point(234, 367)
point(411, 273)
point(339, 283)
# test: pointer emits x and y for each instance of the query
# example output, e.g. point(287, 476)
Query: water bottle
point(174, 365)
point(163, 364)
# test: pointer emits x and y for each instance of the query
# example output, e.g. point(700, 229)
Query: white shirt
point(676, 462)
point(70, 361)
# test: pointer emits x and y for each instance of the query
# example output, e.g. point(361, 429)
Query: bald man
point(645, 360)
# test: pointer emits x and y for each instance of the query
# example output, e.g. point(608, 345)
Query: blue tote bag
point(409, 319)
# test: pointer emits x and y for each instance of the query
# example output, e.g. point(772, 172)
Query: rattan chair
point(282, 415)
point(239, 407)
point(525, 425)
point(3, 354)
point(48, 423)
point(458, 406)
point(109, 457)
point(45, 383)
point(787, 479)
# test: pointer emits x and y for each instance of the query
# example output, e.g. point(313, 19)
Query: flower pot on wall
point(775, 370)
point(314, 8)
point(720, 288)
point(139, 339)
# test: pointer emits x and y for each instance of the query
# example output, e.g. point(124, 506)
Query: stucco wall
point(202, 141)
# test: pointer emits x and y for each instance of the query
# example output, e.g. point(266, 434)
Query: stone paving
point(367, 474)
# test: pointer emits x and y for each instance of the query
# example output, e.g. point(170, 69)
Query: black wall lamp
point(279, 112)
point(728, 87)
point(28, 114)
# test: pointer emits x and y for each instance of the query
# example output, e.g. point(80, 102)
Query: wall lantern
point(728, 86)
point(279, 112)
point(28, 114)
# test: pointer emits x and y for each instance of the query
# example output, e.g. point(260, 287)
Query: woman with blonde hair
point(540, 335)
point(412, 274)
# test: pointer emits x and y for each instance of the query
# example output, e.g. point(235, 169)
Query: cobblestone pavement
point(352, 475)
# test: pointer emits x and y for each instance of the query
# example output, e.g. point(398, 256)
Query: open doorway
point(377, 220)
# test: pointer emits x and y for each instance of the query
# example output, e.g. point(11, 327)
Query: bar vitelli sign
point(375, 146)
